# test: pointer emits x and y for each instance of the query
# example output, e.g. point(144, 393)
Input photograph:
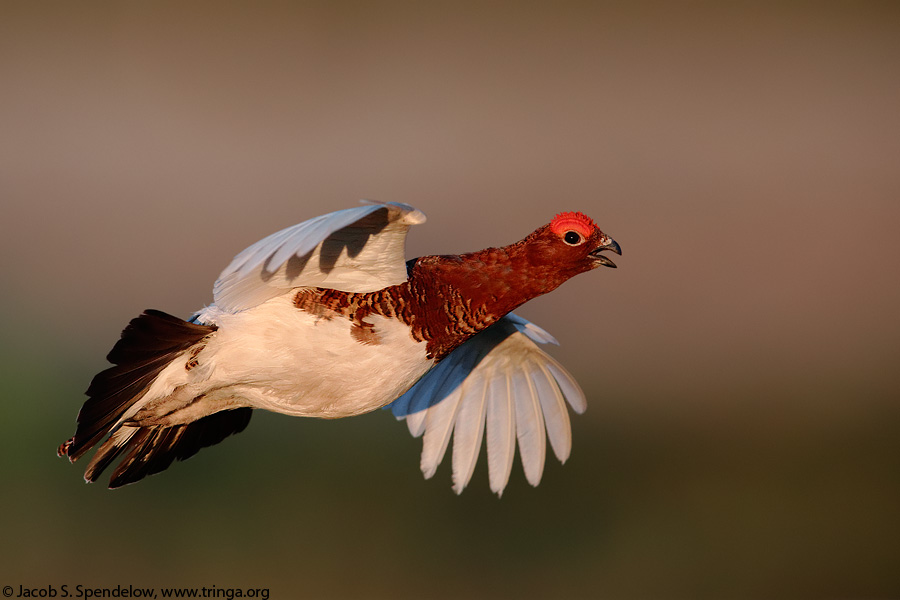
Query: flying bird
point(328, 319)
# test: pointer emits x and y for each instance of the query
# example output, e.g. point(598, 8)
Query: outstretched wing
point(358, 249)
point(500, 383)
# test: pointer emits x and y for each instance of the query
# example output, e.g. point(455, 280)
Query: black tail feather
point(153, 449)
point(147, 346)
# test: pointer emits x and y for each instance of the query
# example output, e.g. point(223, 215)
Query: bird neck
point(446, 299)
point(465, 294)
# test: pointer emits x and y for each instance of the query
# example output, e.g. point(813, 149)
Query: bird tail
point(147, 346)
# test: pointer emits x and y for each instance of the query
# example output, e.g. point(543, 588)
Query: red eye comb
point(574, 221)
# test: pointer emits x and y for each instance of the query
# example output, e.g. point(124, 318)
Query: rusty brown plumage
point(448, 299)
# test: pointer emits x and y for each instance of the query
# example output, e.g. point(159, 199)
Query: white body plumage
point(286, 360)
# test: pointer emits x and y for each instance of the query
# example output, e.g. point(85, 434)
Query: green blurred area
point(647, 506)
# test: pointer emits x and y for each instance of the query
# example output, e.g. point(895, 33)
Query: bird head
point(572, 240)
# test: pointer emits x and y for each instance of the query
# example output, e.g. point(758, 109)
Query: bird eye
point(572, 238)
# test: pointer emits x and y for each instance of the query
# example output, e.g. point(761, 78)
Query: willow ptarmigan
point(328, 319)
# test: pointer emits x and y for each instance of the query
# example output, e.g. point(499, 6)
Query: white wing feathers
point(358, 249)
point(502, 382)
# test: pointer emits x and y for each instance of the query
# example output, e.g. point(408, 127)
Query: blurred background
point(741, 364)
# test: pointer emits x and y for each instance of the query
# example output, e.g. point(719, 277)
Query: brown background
point(741, 364)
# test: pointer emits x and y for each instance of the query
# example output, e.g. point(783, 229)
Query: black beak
point(611, 245)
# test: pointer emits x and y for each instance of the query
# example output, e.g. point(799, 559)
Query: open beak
point(608, 244)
